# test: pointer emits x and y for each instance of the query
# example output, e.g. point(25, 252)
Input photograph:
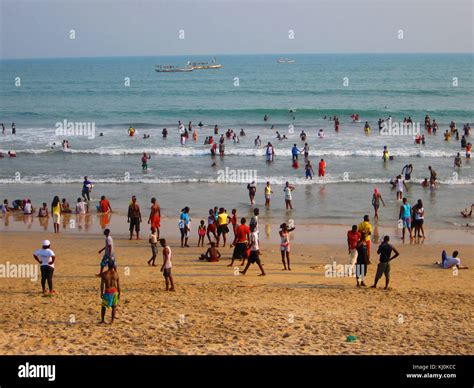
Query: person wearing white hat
point(46, 258)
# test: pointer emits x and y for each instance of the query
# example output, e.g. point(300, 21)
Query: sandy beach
point(428, 311)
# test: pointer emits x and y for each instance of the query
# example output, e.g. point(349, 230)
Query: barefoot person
point(46, 258)
point(153, 240)
point(241, 241)
point(211, 225)
point(109, 291)
point(155, 216)
point(362, 260)
point(353, 236)
point(183, 225)
point(56, 212)
point(134, 217)
point(254, 252)
point(252, 188)
point(268, 193)
point(166, 267)
point(285, 245)
point(405, 218)
point(450, 261)
point(223, 220)
point(212, 254)
point(288, 196)
point(376, 199)
point(109, 251)
point(366, 229)
point(383, 268)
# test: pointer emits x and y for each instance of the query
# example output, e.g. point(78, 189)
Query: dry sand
point(428, 311)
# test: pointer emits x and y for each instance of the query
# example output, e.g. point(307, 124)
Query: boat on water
point(172, 69)
point(285, 60)
point(204, 65)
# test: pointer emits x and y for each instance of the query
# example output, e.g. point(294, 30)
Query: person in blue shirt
point(86, 189)
point(294, 152)
point(405, 218)
point(184, 226)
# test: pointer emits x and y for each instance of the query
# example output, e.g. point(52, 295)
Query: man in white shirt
point(46, 258)
point(254, 252)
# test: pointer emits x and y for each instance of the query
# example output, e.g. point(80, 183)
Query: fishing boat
point(172, 69)
point(204, 65)
point(285, 60)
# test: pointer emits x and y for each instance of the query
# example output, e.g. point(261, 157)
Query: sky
point(42, 28)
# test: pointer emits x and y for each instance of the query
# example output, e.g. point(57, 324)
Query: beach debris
point(351, 338)
point(286, 335)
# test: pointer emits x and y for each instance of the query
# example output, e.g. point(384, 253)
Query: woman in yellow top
point(222, 228)
point(56, 212)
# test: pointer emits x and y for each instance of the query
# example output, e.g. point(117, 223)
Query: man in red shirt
point(352, 237)
point(241, 240)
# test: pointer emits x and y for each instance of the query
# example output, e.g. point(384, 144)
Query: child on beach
point(43, 211)
point(288, 197)
point(201, 233)
point(383, 268)
point(254, 252)
point(268, 193)
point(153, 240)
point(211, 225)
point(285, 245)
point(212, 254)
point(166, 267)
point(362, 260)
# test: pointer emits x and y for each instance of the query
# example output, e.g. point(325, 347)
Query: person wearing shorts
point(134, 217)
point(242, 236)
point(222, 227)
point(385, 251)
point(109, 291)
point(254, 256)
point(405, 218)
point(353, 236)
point(166, 267)
point(46, 258)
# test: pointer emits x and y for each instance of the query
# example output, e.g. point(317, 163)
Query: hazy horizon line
point(245, 54)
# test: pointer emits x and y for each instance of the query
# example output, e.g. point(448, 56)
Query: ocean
point(110, 94)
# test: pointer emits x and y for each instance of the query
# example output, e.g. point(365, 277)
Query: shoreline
point(93, 224)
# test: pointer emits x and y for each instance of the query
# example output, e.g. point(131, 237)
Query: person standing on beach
point(404, 218)
point(254, 219)
point(419, 218)
point(240, 243)
point(134, 217)
point(288, 196)
point(104, 205)
point(254, 253)
point(362, 260)
point(306, 151)
point(46, 258)
point(109, 291)
point(376, 199)
point(155, 216)
point(353, 236)
point(252, 188)
point(268, 193)
point(383, 268)
point(184, 227)
point(257, 142)
point(166, 267)
point(222, 226)
point(56, 212)
point(211, 226)
point(285, 245)
point(109, 251)
point(366, 229)
point(3, 129)
point(13, 129)
point(233, 221)
point(153, 240)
